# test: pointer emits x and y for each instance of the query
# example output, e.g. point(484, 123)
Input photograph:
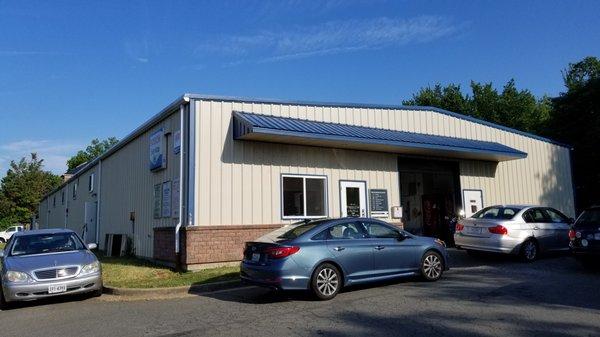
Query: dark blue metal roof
point(249, 126)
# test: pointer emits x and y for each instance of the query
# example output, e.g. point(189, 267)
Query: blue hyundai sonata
point(325, 255)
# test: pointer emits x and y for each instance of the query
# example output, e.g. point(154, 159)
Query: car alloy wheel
point(326, 281)
point(529, 251)
point(432, 266)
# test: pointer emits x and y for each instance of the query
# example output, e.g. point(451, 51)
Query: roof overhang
point(255, 127)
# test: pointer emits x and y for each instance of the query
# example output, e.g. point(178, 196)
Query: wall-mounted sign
point(379, 203)
point(396, 212)
point(158, 156)
point(175, 204)
point(166, 199)
point(177, 142)
point(157, 201)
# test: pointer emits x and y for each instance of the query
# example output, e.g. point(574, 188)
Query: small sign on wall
point(166, 199)
point(158, 157)
point(397, 212)
point(177, 142)
point(175, 204)
point(157, 201)
point(379, 203)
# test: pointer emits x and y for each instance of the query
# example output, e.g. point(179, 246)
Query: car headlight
point(16, 277)
point(440, 242)
point(91, 268)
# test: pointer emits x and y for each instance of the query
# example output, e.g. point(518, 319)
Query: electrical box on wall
point(396, 212)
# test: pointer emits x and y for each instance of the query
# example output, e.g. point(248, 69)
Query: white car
point(5, 235)
point(514, 229)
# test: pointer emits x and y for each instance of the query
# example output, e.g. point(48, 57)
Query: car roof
point(44, 231)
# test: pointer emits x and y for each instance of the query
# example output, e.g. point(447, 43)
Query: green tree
point(96, 148)
point(512, 107)
point(580, 73)
point(575, 120)
point(22, 188)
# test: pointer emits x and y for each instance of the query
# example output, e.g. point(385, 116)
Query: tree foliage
point(21, 190)
point(575, 120)
point(96, 148)
point(511, 107)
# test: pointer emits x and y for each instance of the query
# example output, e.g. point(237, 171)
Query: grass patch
point(129, 272)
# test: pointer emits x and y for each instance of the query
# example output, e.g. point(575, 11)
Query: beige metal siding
point(238, 182)
point(128, 186)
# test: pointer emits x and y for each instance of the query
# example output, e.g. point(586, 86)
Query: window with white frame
point(303, 196)
point(91, 182)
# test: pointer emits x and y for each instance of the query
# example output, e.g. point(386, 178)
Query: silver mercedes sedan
point(49, 262)
point(522, 230)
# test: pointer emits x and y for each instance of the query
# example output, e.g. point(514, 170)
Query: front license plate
point(255, 257)
point(475, 230)
point(59, 288)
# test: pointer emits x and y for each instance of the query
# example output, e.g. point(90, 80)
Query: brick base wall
point(164, 245)
point(217, 244)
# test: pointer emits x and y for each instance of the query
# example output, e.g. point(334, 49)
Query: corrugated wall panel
point(254, 169)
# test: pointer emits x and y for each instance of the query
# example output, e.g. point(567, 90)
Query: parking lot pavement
point(479, 296)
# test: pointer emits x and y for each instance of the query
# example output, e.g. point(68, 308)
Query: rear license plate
point(474, 230)
point(59, 288)
point(255, 257)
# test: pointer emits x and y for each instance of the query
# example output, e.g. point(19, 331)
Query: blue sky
point(71, 71)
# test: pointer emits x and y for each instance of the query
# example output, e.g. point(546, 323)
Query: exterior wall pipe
point(98, 202)
point(182, 152)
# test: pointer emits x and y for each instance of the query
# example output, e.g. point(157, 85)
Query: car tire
point(2, 240)
point(432, 266)
point(529, 251)
point(326, 281)
point(3, 304)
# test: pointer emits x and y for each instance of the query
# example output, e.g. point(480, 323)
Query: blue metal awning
point(249, 126)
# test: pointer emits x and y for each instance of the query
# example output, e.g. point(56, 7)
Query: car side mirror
point(92, 246)
point(401, 236)
point(571, 221)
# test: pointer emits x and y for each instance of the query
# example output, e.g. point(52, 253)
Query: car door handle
point(339, 248)
point(379, 247)
point(536, 228)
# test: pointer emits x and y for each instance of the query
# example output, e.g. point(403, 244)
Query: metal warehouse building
point(208, 173)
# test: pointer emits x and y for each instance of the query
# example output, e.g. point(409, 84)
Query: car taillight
point(572, 234)
point(281, 252)
point(498, 230)
point(459, 227)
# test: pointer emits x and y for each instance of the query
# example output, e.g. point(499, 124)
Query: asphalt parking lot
point(480, 296)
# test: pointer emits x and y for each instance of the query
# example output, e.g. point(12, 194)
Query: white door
point(89, 228)
point(473, 201)
point(353, 198)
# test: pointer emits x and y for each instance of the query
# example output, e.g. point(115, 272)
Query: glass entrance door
point(353, 198)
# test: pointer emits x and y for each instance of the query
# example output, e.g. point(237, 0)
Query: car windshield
point(296, 231)
point(495, 212)
point(590, 217)
point(45, 243)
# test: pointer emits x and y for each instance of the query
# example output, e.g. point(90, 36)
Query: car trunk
point(479, 227)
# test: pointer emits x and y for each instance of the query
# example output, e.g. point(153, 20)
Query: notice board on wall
point(379, 203)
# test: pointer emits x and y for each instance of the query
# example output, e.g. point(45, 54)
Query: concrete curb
point(170, 291)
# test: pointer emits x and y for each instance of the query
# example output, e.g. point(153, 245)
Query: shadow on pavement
point(48, 301)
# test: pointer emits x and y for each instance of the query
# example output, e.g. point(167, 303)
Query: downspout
point(98, 200)
point(182, 152)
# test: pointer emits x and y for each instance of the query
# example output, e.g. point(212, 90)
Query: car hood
point(33, 262)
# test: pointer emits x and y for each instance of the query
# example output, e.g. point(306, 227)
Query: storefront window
point(303, 196)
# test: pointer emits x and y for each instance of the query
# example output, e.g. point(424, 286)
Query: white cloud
point(55, 153)
point(332, 37)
